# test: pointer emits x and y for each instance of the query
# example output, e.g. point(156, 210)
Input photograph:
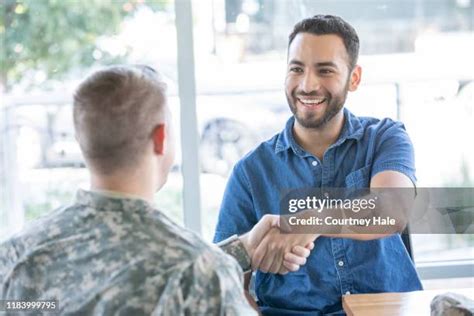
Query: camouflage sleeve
point(8, 257)
point(233, 246)
point(212, 285)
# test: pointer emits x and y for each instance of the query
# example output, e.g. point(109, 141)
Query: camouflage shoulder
point(211, 285)
point(8, 258)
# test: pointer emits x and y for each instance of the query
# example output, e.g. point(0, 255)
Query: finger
point(267, 261)
point(310, 246)
point(270, 253)
point(275, 266)
point(301, 251)
point(283, 270)
point(292, 258)
point(291, 266)
point(258, 255)
point(271, 220)
point(260, 230)
point(277, 261)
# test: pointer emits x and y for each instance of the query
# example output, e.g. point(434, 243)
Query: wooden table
point(409, 303)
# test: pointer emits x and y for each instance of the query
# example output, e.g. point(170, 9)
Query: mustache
point(309, 94)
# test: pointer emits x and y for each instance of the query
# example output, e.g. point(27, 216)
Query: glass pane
point(416, 68)
point(49, 47)
point(443, 157)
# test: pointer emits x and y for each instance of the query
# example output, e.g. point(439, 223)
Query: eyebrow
point(321, 64)
point(296, 62)
point(326, 64)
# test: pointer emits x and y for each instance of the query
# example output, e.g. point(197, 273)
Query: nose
point(310, 82)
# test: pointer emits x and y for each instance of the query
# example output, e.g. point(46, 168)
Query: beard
point(334, 104)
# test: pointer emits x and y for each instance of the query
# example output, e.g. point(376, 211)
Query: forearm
point(357, 236)
point(387, 216)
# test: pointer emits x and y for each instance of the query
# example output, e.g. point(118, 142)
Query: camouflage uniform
point(110, 255)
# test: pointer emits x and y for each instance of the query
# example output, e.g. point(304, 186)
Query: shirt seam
point(247, 184)
point(407, 171)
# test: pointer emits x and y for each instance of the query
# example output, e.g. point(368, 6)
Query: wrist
point(237, 249)
point(245, 240)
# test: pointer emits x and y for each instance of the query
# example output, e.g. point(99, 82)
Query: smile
point(315, 101)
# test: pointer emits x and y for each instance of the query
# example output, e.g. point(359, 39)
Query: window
point(417, 67)
point(42, 165)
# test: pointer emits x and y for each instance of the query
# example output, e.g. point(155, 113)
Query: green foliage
point(57, 36)
point(169, 201)
point(53, 199)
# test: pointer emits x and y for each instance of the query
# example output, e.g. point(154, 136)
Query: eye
point(296, 69)
point(326, 71)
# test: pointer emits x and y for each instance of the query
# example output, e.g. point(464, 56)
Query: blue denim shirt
point(336, 266)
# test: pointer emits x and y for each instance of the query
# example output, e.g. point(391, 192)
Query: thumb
point(270, 220)
point(263, 226)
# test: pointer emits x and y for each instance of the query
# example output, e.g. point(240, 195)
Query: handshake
point(273, 251)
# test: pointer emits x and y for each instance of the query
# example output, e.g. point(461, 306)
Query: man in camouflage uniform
point(112, 252)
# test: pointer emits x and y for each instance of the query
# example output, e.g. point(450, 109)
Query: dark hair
point(330, 24)
point(115, 111)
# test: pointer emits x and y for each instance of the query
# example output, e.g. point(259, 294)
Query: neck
point(134, 181)
point(317, 140)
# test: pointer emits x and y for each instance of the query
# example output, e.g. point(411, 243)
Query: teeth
point(312, 101)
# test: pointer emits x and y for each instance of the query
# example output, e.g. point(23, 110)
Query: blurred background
point(418, 67)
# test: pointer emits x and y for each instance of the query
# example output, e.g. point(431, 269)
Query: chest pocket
point(359, 178)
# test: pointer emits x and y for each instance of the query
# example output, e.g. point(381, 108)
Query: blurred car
point(226, 133)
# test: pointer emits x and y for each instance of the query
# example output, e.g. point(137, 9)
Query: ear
point(158, 137)
point(356, 76)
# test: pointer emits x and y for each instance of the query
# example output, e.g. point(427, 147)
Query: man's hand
point(280, 253)
point(281, 259)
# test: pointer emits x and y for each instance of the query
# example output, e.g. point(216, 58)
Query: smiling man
point(323, 145)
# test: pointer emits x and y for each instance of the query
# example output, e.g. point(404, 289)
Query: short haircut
point(115, 111)
point(330, 24)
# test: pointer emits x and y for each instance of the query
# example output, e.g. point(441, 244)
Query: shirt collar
point(352, 130)
point(111, 201)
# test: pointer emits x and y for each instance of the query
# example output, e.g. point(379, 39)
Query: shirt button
point(314, 163)
point(348, 292)
point(340, 263)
